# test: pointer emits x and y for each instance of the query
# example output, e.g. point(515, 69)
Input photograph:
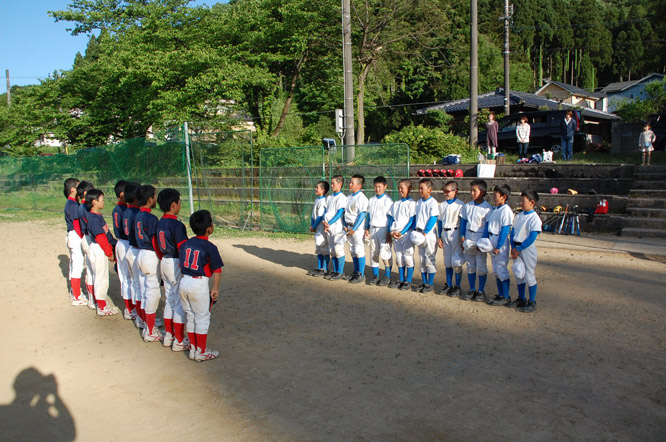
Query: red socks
point(101, 304)
point(76, 287)
point(91, 290)
point(178, 331)
point(193, 340)
point(150, 322)
point(201, 342)
point(168, 326)
point(128, 305)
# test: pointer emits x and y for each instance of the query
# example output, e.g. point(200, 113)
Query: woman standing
point(523, 136)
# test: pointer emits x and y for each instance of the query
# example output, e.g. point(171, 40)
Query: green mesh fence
point(288, 177)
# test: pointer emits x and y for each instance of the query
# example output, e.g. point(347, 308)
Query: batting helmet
point(458, 173)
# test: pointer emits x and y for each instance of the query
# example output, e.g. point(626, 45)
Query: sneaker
point(518, 303)
point(133, 315)
point(498, 300)
point(168, 340)
point(405, 285)
point(155, 336)
point(180, 346)
point(385, 281)
point(320, 273)
point(335, 276)
point(139, 323)
point(316, 272)
point(395, 284)
point(91, 303)
point(455, 291)
point(206, 355)
point(107, 311)
point(328, 275)
point(374, 280)
point(467, 296)
point(445, 290)
point(417, 288)
point(350, 276)
point(479, 297)
point(357, 279)
point(126, 314)
point(530, 307)
point(193, 352)
point(427, 288)
point(81, 301)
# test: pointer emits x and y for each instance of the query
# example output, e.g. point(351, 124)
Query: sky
point(33, 45)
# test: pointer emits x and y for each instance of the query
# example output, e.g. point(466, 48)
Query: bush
point(428, 145)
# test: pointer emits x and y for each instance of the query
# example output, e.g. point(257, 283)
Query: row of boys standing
point(143, 248)
point(465, 232)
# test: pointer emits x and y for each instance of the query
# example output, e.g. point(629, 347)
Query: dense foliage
point(154, 63)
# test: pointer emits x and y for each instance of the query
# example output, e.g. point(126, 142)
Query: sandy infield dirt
point(308, 359)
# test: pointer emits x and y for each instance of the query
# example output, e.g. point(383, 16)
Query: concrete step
point(648, 193)
point(655, 203)
point(650, 176)
point(646, 212)
point(649, 185)
point(650, 169)
point(643, 233)
point(644, 222)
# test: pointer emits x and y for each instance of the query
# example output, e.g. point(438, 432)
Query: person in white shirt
point(401, 221)
point(427, 212)
point(474, 217)
point(523, 136)
point(449, 238)
point(376, 231)
point(497, 231)
point(355, 213)
point(333, 226)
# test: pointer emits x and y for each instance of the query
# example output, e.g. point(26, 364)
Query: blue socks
point(431, 279)
point(424, 277)
point(387, 271)
point(327, 258)
point(361, 265)
point(401, 273)
point(410, 274)
point(482, 282)
point(341, 264)
point(375, 271)
point(500, 289)
point(458, 279)
point(471, 277)
point(449, 276)
point(320, 261)
point(521, 291)
point(355, 260)
point(533, 290)
point(506, 287)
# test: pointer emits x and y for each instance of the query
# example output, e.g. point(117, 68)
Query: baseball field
point(302, 358)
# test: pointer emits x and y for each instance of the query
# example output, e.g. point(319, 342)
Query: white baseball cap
point(385, 251)
point(484, 245)
point(518, 268)
point(470, 247)
point(417, 238)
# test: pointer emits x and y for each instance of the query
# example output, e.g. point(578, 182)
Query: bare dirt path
point(308, 359)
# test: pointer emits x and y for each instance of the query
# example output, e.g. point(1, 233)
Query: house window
point(631, 96)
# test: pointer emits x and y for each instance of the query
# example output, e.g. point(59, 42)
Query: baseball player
point(171, 234)
point(145, 231)
point(132, 252)
point(401, 218)
point(334, 228)
point(497, 231)
point(81, 190)
point(101, 248)
point(474, 218)
point(317, 227)
point(427, 212)
point(448, 226)
point(199, 260)
point(526, 228)
point(377, 232)
point(121, 247)
point(73, 241)
point(355, 214)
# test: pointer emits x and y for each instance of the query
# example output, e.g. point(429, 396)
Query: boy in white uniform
point(401, 220)
point(377, 231)
point(474, 217)
point(355, 213)
point(317, 227)
point(526, 228)
point(427, 212)
point(334, 228)
point(497, 231)
point(449, 238)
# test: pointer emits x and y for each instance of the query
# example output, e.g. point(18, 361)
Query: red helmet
point(450, 172)
point(421, 172)
point(428, 172)
point(435, 173)
point(442, 172)
point(458, 173)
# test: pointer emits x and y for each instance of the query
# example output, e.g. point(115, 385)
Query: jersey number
point(138, 229)
point(116, 220)
point(126, 223)
point(163, 241)
point(195, 260)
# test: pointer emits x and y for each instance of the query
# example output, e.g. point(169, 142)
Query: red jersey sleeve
point(103, 242)
point(77, 227)
point(156, 247)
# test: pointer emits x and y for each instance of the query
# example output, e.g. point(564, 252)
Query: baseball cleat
point(193, 352)
point(405, 285)
point(206, 355)
point(444, 290)
point(395, 284)
point(168, 340)
point(180, 346)
point(530, 307)
point(455, 291)
point(479, 297)
point(384, 281)
point(467, 296)
point(91, 303)
point(127, 315)
point(155, 336)
point(336, 276)
point(349, 277)
point(426, 288)
point(499, 300)
point(80, 301)
point(518, 303)
point(357, 279)
point(312, 272)
point(373, 281)
point(106, 311)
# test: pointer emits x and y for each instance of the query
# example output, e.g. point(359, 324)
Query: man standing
point(567, 129)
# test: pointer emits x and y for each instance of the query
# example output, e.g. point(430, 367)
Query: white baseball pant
point(150, 283)
point(377, 240)
point(124, 275)
point(75, 255)
point(357, 243)
point(404, 251)
point(100, 271)
point(173, 308)
point(85, 247)
point(195, 297)
point(133, 267)
point(478, 262)
point(428, 253)
point(453, 253)
point(336, 237)
point(501, 261)
point(529, 257)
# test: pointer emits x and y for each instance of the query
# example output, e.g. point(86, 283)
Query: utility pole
point(508, 12)
point(9, 94)
point(348, 80)
point(473, 76)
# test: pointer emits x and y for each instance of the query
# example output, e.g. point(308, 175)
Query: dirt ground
point(308, 359)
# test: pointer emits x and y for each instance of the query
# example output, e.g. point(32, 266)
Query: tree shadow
point(37, 413)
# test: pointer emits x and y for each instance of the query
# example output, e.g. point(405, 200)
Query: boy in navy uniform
point(199, 260)
point(145, 231)
point(132, 253)
point(171, 234)
point(121, 247)
point(81, 190)
point(73, 240)
point(101, 249)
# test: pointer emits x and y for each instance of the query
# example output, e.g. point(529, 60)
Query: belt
point(494, 234)
point(473, 231)
point(169, 256)
point(450, 228)
point(194, 277)
point(419, 230)
point(517, 243)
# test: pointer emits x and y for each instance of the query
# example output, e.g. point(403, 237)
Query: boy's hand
point(440, 243)
point(350, 232)
point(388, 238)
point(325, 225)
point(366, 234)
point(214, 294)
point(396, 235)
point(112, 258)
point(496, 251)
point(514, 253)
point(312, 229)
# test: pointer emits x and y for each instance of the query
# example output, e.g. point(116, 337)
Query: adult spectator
point(567, 130)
